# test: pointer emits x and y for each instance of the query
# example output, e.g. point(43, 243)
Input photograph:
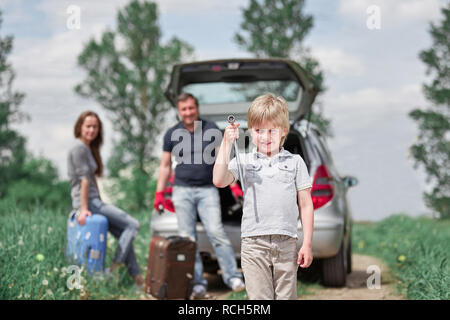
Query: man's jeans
point(187, 201)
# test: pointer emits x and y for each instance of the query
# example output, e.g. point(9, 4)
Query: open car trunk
point(228, 86)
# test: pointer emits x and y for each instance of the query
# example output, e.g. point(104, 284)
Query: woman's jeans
point(205, 200)
point(124, 228)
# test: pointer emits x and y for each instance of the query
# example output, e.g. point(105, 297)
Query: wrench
point(231, 120)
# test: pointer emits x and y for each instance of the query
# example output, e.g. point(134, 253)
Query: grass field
point(416, 250)
point(33, 266)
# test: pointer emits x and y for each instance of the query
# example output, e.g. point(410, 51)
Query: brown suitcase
point(170, 267)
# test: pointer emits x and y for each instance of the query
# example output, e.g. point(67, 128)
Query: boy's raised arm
point(222, 177)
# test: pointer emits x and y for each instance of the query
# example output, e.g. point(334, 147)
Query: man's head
point(268, 120)
point(187, 107)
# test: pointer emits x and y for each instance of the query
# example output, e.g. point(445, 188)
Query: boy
point(277, 187)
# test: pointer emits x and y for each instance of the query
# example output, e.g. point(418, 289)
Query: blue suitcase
point(86, 244)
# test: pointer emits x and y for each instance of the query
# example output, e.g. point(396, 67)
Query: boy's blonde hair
point(269, 108)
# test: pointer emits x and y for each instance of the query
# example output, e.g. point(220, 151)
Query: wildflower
point(401, 258)
point(45, 282)
point(361, 244)
point(40, 257)
point(20, 243)
point(55, 269)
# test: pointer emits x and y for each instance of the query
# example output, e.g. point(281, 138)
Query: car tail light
point(322, 190)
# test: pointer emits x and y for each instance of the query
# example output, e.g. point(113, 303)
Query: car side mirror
point(350, 181)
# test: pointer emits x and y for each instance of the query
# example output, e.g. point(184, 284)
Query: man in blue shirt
point(192, 142)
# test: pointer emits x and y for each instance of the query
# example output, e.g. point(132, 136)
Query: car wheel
point(334, 269)
point(349, 256)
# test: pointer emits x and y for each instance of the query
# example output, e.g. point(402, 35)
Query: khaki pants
point(269, 264)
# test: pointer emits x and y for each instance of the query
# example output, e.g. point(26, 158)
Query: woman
point(84, 163)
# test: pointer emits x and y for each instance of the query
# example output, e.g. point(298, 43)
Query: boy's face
point(267, 137)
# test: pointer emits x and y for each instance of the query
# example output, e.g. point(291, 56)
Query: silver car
point(225, 87)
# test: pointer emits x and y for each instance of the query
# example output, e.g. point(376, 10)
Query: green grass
point(25, 275)
point(416, 250)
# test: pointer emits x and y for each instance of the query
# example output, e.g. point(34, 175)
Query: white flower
point(45, 282)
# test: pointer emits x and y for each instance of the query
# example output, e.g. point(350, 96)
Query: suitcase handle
point(73, 214)
point(176, 239)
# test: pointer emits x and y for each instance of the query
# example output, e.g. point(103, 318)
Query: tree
point(37, 183)
point(12, 144)
point(25, 179)
point(432, 149)
point(276, 28)
point(126, 71)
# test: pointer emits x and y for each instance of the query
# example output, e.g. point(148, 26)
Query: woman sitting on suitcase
point(84, 163)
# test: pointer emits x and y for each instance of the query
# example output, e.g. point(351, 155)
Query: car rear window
point(245, 91)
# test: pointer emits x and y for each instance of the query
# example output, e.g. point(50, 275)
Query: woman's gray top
point(81, 164)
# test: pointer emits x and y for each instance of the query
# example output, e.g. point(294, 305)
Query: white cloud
point(92, 12)
point(197, 6)
point(337, 62)
point(369, 109)
point(398, 12)
point(375, 102)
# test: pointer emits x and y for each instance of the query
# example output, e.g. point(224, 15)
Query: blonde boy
point(277, 191)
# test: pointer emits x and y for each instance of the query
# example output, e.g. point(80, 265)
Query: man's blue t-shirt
point(194, 152)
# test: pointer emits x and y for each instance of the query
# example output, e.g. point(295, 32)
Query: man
point(193, 189)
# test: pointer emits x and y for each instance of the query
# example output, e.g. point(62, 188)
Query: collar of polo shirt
point(282, 153)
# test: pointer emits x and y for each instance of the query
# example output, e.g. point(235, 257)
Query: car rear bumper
point(327, 236)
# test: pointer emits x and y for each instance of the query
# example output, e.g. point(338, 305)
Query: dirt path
point(355, 289)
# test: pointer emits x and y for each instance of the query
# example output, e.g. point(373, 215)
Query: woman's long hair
point(96, 143)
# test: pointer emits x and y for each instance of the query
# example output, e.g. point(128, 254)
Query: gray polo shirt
point(81, 164)
point(271, 186)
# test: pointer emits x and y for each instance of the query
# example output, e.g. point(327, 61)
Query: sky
point(373, 78)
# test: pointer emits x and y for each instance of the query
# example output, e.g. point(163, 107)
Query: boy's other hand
point(305, 257)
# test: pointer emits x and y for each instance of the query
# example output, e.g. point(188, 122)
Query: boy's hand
point(305, 257)
point(231, 133)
